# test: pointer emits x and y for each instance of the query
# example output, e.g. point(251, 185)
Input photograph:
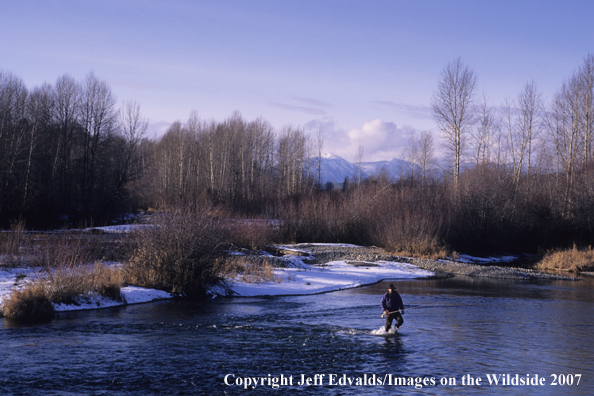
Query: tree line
point(239, 163)
point(66, 150)
point(524, 133)
point(69, 154)
point(514, 175)
point(529, 175)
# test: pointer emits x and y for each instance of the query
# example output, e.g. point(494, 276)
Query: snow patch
point(335, 275)
point(15, 278)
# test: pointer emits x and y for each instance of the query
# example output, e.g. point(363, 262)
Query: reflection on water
point(452, 327)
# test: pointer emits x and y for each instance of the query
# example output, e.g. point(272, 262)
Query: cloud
point(303, 109)
point(305, 105)
point(380, 140)
point(312, 102)
point(416, 111)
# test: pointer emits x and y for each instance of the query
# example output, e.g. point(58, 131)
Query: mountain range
point(335, 169)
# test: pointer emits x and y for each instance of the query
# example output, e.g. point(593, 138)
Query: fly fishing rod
point(426, 305)
point(384, 313)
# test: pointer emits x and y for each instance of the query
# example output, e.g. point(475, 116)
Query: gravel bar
point(321, 254)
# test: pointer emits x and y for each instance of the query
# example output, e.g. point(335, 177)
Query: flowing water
point(453, 328)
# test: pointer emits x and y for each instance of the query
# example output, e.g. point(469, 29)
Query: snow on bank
point(298, 279)
point(131, 294)
point(16, 278)
point(117, 229)
point(11, 278)
point(335, 275)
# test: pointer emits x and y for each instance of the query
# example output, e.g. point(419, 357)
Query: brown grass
point(62, 284)
point(573, 260)
point(31, 304)
point(70, 249)
point(64, 248)
point(70, 271)
point(422, 248)
point(249, 272)
point(66, 284)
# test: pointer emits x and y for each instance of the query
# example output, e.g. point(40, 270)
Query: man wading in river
point(391, 303)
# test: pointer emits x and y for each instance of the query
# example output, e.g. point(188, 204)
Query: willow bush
point(181, 251)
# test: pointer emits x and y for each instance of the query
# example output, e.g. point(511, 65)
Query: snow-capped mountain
point(394, 169)
point(335, 169)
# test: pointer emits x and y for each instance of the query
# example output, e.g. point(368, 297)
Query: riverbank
point(317, 268)
point(17, 278)
point(304, 269)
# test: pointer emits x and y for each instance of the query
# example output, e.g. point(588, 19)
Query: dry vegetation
point(252, 234)
point(185, 248)
point(180, 251)
point(10, 244)
point(68, 284)
point(249, 271)
point(71, 267)
point(573, 260)
point(29, 304)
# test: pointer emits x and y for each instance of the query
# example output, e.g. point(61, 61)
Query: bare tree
point(586, 86)
point(13, 135)
point(98, 119)
point(66, 99)
point(359, 159)
point(40, 109)
point(452, 108)
point(564, 127)
point(320, 146)
point(426, 155)
point(482, 135)
point(291, 157)
point(409, 154)
point(530, 107)
point(132, 127)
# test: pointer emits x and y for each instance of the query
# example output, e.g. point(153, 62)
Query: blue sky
point(364, 71)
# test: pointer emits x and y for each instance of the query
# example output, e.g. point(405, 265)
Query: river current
point(455, 330)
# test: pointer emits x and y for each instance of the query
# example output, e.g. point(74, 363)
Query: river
point(455, 329)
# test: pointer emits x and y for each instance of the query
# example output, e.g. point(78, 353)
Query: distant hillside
point(394, 169)
point(335, 169)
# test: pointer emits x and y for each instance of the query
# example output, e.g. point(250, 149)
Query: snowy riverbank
point(15, 278)
point(302, 269)
point(295, 277)
point(303, 278)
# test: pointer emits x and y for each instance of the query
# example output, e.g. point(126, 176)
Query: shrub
point(251, 234)
point(322, 217)
point(31, 304)
point(70, 249)
point(11, 242)
point(179, 252)
point(568, 260)
point(408, 222)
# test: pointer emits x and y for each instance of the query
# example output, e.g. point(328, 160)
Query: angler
point(391, 303)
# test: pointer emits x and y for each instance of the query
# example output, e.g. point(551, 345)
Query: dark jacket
point(392, 302)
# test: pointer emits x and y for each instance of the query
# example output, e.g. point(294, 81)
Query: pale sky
point(363, 70)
